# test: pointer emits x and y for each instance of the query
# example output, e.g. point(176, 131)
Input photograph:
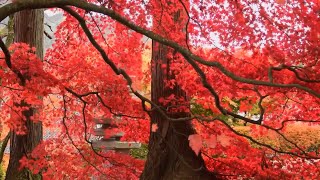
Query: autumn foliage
point(249, 68)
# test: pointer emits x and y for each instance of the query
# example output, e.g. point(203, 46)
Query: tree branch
point(35, 4)
point(9, 64)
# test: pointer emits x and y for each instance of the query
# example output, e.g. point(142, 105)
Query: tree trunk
point(170, 156)
point(28, 29)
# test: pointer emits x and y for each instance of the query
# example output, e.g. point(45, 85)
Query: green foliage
point(197, 109)
point(140, 153)
point(2, 173)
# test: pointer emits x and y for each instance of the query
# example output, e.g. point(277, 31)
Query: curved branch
point(80, 96)
point(292, 69)
point(86, 137)
point(9, 64)
point(72, 141)
point(187, 24)
point(119, 71)
point(21, 5)
point(306, 156)
point(189, 56)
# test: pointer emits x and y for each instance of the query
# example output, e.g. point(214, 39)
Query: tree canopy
point(249, 69)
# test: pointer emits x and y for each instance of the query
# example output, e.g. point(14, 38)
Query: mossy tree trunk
point(28, 28)
point(169, 156)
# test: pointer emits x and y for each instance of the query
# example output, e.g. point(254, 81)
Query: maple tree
point(245, 72)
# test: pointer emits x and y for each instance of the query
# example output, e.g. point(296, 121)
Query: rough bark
point(29, 29)
point(170, 157)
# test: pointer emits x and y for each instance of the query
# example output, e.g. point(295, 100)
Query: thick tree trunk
point(170, 156)
point(29, 29)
